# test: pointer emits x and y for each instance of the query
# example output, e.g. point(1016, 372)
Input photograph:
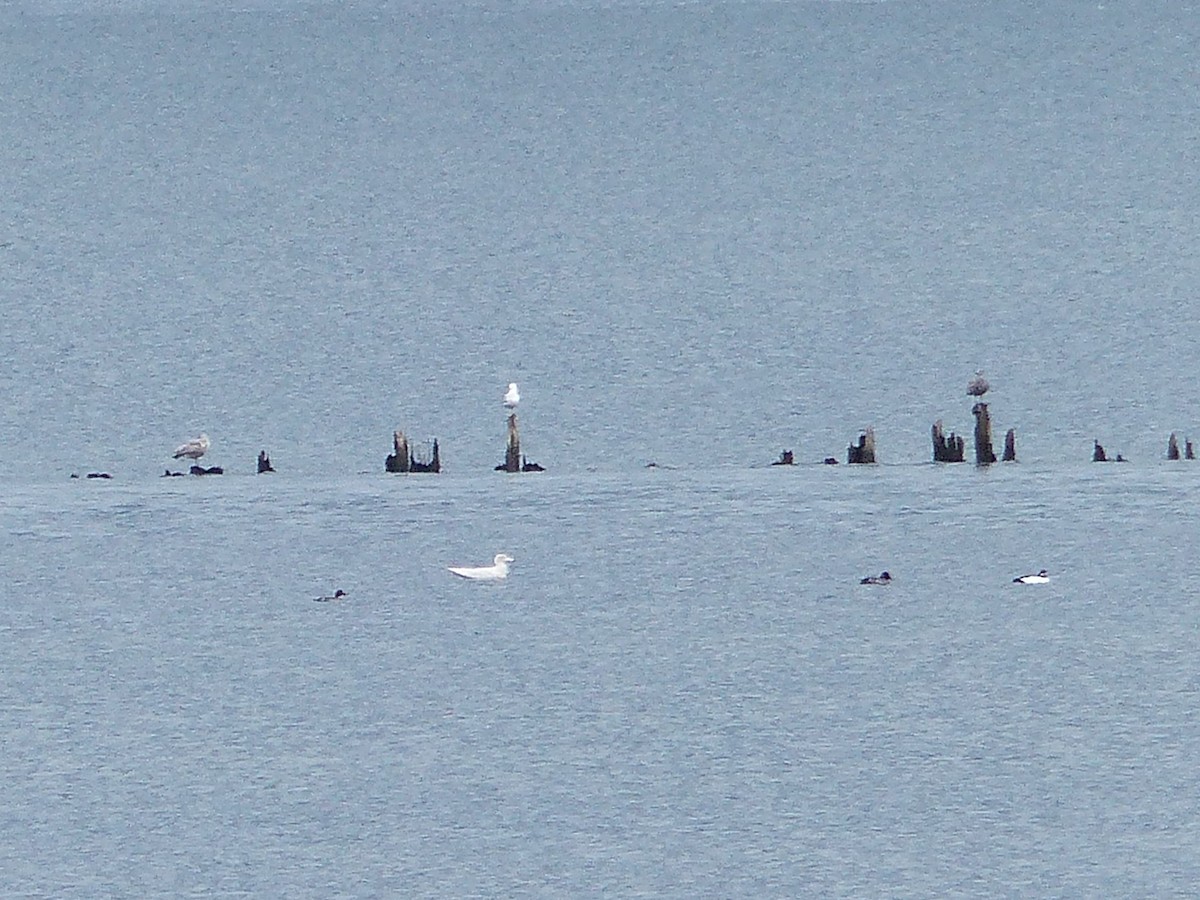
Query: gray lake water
point(696, 235)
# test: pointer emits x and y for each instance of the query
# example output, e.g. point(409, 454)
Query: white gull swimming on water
point(494, 572)
point(512, 397)
point(193, 449)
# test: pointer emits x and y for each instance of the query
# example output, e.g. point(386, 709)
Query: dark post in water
point(398, 461)
point(512, 452)
point(984, 454)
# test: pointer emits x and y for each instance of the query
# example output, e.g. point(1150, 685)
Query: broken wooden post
point(512, 452)
point(786, 458)
point(1172, 447)
point(425, 461)
point(946, 449)
point(864, 451)
point(398, 461)
point(1098, 454)
point(1187, 450)
point(264, 462)
point(1010, 445)
point(984, 455)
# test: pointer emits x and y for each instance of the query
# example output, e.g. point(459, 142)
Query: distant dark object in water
point(527, 466)
point(830, 461)
point(98, 475)
point(200, 470)
point(1187, 451)
point(264, 462)
point(167, 473)
point(881, 578)
point(786, 458)
point(337, 595)
point(1098, 454)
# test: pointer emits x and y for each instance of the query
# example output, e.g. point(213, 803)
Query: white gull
point(495, 572)
point(512, 397)
point(193, 449)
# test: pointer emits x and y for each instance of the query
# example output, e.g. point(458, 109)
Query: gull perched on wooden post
point(193, 449)
point(977, 386)
point(512, 396)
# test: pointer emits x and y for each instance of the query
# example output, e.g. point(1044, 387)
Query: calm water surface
point(695, 234)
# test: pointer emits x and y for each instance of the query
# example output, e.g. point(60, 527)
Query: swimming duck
point(1042, 577)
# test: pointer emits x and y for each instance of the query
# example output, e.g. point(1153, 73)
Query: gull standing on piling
point(512, 396)
point(193, 449)
point(977, 386)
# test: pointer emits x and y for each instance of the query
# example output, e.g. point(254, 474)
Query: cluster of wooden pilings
point(946, 448)
point(406, 460)
point(1099, 454)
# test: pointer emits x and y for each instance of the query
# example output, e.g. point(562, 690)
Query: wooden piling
point(1172, 447)
point(512, 452)
point(946, 449)
point(786, 458)
point(264, 462)
point(1098, 454)
point(864, 451)
point(984, 454)
point(1187, 450)
point(1010, 445)
point(398, 461)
